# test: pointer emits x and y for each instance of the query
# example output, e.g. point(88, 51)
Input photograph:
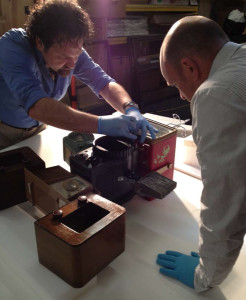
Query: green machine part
point(76, 142)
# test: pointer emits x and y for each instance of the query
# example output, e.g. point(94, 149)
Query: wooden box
point(83, 240)
point(12, 179)
point(48, 189)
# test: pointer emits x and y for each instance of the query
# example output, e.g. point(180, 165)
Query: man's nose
point(71, 63)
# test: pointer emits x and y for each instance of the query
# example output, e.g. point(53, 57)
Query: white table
point(151, 227)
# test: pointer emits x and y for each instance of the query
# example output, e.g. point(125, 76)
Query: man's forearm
point(57, 114)
point(115, 95)
point(222, 224)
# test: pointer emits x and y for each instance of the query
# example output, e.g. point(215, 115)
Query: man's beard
point(64, 72)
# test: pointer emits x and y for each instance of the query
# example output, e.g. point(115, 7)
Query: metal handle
point(164, 169)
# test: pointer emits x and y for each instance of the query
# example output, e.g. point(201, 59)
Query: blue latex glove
point(118, 125)
point(142, 123)
point(179, 266)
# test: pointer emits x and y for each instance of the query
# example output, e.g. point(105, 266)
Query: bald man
point(210, 72)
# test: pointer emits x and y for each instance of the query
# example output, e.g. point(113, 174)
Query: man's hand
point(142, 123)
point(118, 126)
point(179, 266)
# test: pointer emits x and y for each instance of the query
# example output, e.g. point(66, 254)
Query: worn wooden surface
point(77, 257)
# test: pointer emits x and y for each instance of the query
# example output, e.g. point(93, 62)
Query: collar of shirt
point(39, 57)
point(223, 56)
point(54, 85)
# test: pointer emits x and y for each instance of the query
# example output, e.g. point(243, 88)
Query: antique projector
point(118, 167)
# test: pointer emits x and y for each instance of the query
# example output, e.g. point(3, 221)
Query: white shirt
point(219, 131)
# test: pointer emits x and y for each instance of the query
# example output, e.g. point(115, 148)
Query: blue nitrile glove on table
point(142, 123)
point(118, 125)
point(179, 266)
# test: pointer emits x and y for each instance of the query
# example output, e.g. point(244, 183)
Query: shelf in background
point(160, 8)
point(117, 40)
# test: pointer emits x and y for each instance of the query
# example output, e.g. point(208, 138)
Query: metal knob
point(57, 214)
point(82, 199)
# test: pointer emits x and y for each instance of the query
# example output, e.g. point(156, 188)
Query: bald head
point(192, 36)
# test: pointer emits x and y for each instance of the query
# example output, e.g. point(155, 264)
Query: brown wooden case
point(78, 245)
point(12, 179)
point(50, 188)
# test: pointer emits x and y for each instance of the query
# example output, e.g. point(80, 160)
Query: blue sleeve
point(91, 73)
point(19, 70)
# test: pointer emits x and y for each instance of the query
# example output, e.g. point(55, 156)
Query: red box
point(159, 154)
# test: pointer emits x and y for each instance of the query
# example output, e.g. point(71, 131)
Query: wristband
point(131, 104)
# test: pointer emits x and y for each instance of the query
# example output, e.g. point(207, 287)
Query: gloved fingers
point(152, 130)
point(143, 125)
point(194, 254)
point(166, 257)
point(143, 134)
point(166, 263)
point(132, 128)
point(168, 272)
point(174, 253)
point(131, 123)
point(138, 127)
point(130, 132)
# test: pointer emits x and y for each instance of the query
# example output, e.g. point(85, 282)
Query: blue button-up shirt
point(25, 78)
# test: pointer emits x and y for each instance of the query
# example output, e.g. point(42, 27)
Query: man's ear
point(190, 68)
